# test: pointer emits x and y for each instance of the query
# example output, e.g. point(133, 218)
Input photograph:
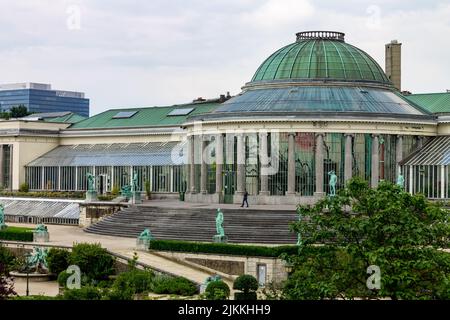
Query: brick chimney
point(394, 63)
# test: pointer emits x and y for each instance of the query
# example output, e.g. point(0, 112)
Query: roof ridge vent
point(320, 35)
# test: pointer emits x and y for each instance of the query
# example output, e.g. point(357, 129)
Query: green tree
point(94, 261)
point(58, 260)
point(19, 111)
point(342, 236)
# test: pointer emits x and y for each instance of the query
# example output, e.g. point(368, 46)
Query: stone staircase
point(198, 224)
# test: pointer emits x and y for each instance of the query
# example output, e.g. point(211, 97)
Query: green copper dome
point(321, 55)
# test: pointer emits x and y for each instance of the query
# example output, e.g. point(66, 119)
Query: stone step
point(198, 224)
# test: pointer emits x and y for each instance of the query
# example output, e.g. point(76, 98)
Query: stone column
point(399, 153)
point(375, 175)
point(443, 184)
point(219, 163)
point(2, 180)
point(203, 168)
point(348, 164)
point(264, 160)
point(411, 179)
point(291, 164)
point(192, 164)
point(240, 184)
point(319, 165)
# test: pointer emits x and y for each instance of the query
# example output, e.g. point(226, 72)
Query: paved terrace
point(69, 235)
point(214, 206)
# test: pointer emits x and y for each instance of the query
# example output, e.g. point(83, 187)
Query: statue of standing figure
point(333, 181)
point(2, 217)
point(400, 180)
point(219, 223)
point(90, 179)
point(134, 182)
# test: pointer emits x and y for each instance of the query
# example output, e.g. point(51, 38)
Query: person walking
point(245, 199)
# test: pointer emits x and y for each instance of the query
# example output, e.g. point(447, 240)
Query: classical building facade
point(316, 106)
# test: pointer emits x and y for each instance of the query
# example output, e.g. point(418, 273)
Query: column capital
point(399, 136)
point(292, 134)
point(375, 135)
point(319, 134)
point(349, 135)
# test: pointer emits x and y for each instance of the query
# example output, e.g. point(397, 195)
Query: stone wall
point(232, 266)
point(92, 212)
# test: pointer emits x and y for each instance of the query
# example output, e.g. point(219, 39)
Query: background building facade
point(39, 98)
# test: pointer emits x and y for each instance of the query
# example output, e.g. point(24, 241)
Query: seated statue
point(41, 228)
point(146, 235)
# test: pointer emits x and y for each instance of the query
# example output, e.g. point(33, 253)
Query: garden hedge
point(222, 248)
point(16, 234)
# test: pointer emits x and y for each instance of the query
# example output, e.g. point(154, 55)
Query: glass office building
point(40, 98)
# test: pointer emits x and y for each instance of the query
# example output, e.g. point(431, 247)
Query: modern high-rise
point(39, 97)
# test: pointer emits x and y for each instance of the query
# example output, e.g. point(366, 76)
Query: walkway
point(69, 235)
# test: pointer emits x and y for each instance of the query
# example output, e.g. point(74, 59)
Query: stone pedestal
point(220, 239)
point(91, 196)
point(142, 244)
point(41, 236)
point(136, 198)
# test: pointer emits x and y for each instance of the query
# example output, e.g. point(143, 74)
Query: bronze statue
point(333, 181)
point(91, 182)
point(219, 223)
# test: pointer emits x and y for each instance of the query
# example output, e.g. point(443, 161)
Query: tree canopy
point(401, 234)
point(15, 112)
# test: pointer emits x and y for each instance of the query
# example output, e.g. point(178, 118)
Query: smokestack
point(394, 63)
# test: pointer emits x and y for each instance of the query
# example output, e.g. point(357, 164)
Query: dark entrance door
point(229, 180)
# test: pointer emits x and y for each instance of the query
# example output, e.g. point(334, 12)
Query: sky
point(133, 53)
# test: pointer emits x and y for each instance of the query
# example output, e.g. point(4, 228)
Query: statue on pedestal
point(146, 235)
point(332, 182)
point(134, 182)
point(91, 181)
point(219, 224)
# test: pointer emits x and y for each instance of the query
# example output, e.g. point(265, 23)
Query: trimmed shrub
point(173, 285)
point(62, 278)
point(24, 187)
point(57, 260)
point(138, 281)
point(94, 261)
point(107, 197)
point(217, 290)
point(17, 234)
point(221, 248)
point(45, 194)
point(115, 191)
point(245, 283)
point(84, 293)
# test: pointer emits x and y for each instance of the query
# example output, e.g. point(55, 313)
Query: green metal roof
point(433, 102)
point(70, 118)
point(320, 59)
point(144, 117)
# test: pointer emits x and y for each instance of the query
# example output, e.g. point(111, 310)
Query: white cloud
point(132, 53)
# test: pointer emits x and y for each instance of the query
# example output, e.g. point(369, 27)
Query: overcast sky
point(129, 53)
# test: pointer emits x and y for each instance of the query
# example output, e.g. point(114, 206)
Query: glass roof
point(321, 59)
point(320, 99)
point(180, 112)
point(124, 114)
point(435, 153)
point(116, 154)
